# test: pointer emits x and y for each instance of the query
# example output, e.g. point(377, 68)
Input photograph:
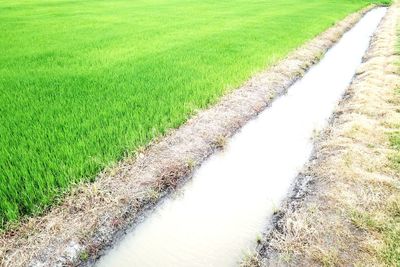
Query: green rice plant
point(84, 82)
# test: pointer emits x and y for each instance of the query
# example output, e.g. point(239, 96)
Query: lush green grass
point(83, 82)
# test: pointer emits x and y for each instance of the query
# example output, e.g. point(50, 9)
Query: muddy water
point(215, 218)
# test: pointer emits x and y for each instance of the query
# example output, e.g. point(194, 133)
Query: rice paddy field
point(84, 83)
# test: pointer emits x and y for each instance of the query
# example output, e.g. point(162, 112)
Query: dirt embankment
point(94, 215)
point(340, 211)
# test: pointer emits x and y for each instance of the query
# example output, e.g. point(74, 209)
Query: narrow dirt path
point(338, 213)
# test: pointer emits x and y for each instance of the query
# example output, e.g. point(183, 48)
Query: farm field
point(83, 83)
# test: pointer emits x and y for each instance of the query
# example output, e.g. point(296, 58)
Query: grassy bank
point(384, 221)
point(84, 82)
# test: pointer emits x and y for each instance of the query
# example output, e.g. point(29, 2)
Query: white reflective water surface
point(216, 217)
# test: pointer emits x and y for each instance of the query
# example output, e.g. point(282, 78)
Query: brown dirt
point(93, 215)
point(350, 173)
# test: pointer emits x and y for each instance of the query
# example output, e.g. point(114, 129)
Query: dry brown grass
point(343, 219)
point(93, 214)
